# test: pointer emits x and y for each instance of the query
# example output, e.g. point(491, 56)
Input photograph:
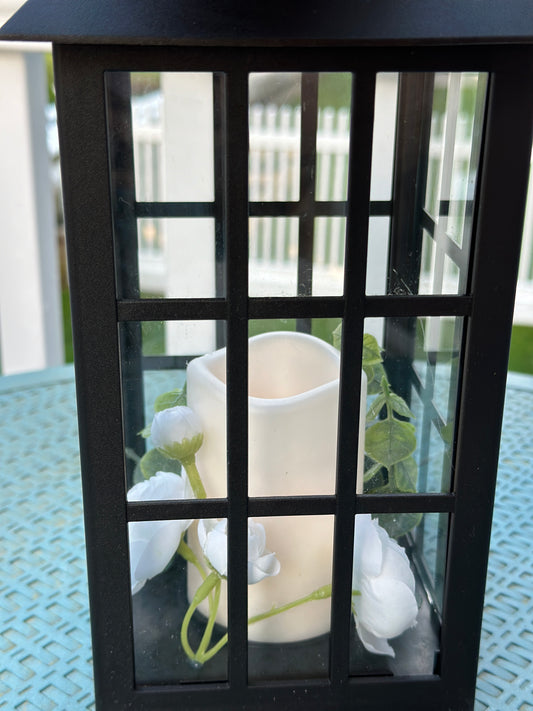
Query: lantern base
point(158, 610)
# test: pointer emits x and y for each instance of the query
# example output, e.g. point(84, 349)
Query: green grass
point(521, 356)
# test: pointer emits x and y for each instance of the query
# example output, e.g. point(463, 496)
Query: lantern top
point(272, 23)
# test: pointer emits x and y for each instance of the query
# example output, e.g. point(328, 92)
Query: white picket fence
point(275, 176)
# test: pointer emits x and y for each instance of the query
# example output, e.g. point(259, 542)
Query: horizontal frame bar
point(290, 506)
point(291, 307)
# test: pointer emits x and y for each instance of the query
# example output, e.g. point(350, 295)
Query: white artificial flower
point(213, 538)
point(386, 605)
point(153, 543)
point(177, 431)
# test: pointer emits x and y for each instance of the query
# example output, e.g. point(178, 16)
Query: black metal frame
point(97, 312)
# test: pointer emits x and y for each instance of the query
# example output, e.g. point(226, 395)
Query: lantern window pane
point(179, 258)
point(293, 386)
point(454, 148)
point(436, 154)
point(275, 129)
point(159, 373)
point(384, 132)
point(296, 600)
point(273, 267)
point(414, 407)
point(174, 138)
point(328, 256)
point(163, 588)
point(395, 628)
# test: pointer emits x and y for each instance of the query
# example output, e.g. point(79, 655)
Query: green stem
point(208, 632)
point(194, 477)
point(199, 596)
point(320, 594)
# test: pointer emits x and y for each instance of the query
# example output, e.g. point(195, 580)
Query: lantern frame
point(93, 217)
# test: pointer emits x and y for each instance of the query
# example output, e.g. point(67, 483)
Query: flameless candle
point(292, 416)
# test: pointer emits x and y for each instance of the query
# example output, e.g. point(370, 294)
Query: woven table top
point(44, 620)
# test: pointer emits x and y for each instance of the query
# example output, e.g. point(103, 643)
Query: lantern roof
point(272, 23)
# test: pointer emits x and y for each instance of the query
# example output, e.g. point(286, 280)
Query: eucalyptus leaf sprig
point(390, 440)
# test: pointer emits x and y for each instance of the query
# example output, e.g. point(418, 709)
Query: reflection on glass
point(412, 393)
point(291, 610)
point(396, 619)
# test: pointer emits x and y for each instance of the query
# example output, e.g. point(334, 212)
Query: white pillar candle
point(292, 417)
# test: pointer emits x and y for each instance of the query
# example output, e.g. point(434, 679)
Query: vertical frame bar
point(413, 124)
point(236, 165)
point(501, 208)
point(122, 186)
point(358, 214)
point(306, 228)
point(219, 112)
point(85, 176)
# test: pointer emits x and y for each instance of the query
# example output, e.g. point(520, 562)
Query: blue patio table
point(44, 620)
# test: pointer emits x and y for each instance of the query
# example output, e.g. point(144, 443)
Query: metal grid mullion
point(309, 123)
point(361, 131)
point(236, 166)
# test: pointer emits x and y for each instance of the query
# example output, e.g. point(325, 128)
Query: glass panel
point(384, 132)
point(292, 602)
point(273, 268)
point(163, 148)
point(163, 586)
point(328, 257)
point(411, 415)
point(378, 244)
point(156, 426)
point(274, 136)
point(428, 249)
point(299, 147)
point(333, 135)
point(177, 258)
point(293, 409)
point(396, 613)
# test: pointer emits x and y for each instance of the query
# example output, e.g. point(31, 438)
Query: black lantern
point(306, 523)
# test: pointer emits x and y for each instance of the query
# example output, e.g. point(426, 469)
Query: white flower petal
point(160, 548)
point(256, 540)
point(216, 550)
point(372, 643)
point(174, 425)
point(368, 549)
point(263, 567)
point(385, 607)
point(153, 543)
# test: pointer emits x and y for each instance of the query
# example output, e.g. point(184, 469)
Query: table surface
point(44, 619)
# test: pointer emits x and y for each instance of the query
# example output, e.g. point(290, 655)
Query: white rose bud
point(177, 432)
point(213, 538)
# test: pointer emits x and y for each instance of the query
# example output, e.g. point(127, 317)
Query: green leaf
point(377, 373)
point(372, 471)
point(171, 399)
point(156, 461)
point(146, 432)
point(375, 408)
point(371, 351)
point(399, 405)
point(403, 476)
point(390, 441)
point(398, 525)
